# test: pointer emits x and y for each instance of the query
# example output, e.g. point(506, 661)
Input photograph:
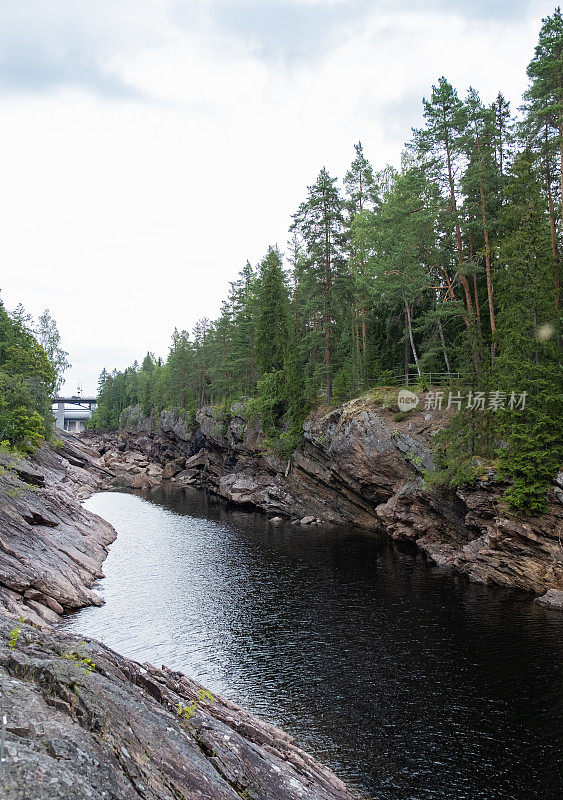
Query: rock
point(50, 602)
point(141, 481)
point(173, 468)
point(276, 520)
point(308, 520)
point(176, 423)
point(552, 598)
point(108, 727)
point(51, 569)
point(154, 471)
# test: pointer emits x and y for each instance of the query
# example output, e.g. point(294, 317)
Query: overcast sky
point(151, 147)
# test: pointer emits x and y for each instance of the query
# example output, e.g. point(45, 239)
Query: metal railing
point(426, 378)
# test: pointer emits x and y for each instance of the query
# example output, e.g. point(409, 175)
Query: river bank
point(83, 721)
point(361, 464)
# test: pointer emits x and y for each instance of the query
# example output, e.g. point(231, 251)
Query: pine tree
point(272, 317)
point(543, 126)
point(320, 222)
point(440, 145)
point(363, 197)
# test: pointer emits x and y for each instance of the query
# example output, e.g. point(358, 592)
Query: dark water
point(409, 682)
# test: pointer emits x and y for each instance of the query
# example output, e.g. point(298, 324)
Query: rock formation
point(51, 549)
point(83, 722)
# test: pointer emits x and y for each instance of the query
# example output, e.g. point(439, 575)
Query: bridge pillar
point(60, 416)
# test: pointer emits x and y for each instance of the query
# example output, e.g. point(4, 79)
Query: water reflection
point(409, 682)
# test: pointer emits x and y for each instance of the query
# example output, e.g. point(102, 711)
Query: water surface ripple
point(409, 682)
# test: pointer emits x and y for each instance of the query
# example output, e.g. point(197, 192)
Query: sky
point(151, 147)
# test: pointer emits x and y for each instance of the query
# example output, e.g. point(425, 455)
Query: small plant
point(88, 664)
point(84, 662)
point(187, 712)
point(14, 634)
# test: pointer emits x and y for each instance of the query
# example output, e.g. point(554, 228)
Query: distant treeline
point(449, 264)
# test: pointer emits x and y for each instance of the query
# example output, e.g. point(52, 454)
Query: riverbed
point(406, 680)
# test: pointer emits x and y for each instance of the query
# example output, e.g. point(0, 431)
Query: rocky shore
point(51, 549)
point(83, 722)
point(79, 721)
point(359, 464)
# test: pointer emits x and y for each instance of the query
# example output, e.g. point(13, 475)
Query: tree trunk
point(552, 228)
point(407, 350)
point(475, 291)
point(468, 319)
point(560, 116)
point(487, 248)
point(364, 327)
point(443, 341)
point(328, 298)
point(413, 348)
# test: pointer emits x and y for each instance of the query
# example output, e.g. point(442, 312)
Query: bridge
point(71, 413)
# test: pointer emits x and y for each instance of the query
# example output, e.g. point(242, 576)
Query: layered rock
point(83, 722)
point(51, 548)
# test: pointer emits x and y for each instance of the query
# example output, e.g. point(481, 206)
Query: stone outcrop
point(51, 548)
point(359, 464)
point(83, 722)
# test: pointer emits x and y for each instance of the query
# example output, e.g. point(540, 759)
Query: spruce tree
point(320, 222)
point(272, 317)
point(527, 359)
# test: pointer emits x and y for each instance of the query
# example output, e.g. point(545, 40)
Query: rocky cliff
point(360, 464)
point(51, 549)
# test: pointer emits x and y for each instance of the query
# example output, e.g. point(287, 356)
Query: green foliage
point(84, 662)
point(49, 338)
point(272, 318)
point(27, 379)
point(14, 635)
point(463, 451)
point(186, 712)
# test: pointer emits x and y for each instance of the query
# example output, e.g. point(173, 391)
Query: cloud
point(294, 31)
point(286, 30)
point(44, 45)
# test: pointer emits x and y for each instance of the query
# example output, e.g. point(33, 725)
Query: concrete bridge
point(71, 413)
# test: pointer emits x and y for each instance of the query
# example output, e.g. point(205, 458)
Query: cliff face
point(358, 464)
point(51, 549)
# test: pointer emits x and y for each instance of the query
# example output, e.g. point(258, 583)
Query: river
point(410, 682)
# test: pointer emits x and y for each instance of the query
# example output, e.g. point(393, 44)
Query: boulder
point(173, 468)
point(552, 598)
